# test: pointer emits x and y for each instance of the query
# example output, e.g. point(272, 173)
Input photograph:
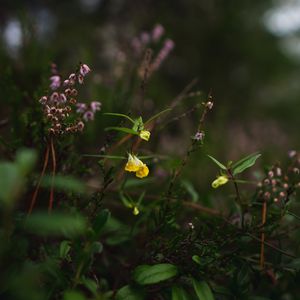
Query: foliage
point(111, 213)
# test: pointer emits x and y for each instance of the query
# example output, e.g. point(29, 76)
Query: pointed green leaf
point(217, 162)
point(202, 290)
point(130, 293)
point(157, 115)
point(146, 274)
point(178, 293)
point(245, 163)
point(122, 129)
point(119, 115)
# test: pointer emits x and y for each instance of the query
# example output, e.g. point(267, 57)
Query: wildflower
point(136, 165)
point(157, 32)
point(63, 98)
point(219, 181)
point(43, 100)
point(135, 211)
point(84, 69)
point(55, 82)
point(199, 136)
point(209, 104)
point(95, 105)
point(88, 116)
point(81, 107)
point(145, 135)
point(80, 79)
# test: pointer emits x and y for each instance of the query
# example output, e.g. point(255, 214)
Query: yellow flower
point(143, 171)
point(136, 165)
point(219, 181)
point(145, 135)
point(135, 211)
point(133, 163)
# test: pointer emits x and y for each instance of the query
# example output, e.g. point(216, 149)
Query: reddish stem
point(34, 196)
point(51, 199)
point(262, 247)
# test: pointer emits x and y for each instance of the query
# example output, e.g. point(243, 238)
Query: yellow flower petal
point(135, 211)
point(219, 181)
point(142, 172)
point(145, 135)
point(133, 163)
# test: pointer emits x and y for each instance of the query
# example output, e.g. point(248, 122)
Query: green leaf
point(138, 124)
point(122, 129)
point(64, 183)
point(217, 162)
point(73, 295)
point(105, 156)
point(146, 274)
point(96, 248)
point(157, 115)
point(55, 224)
point(202, 290)
point(100, 220)
point(178, 293)
point(130, 293)
point(120, 115)
point(245, 163)
point(26, 160)
point(90, 285)
point(196, 259)
point(11, 183)
point(64, 249)
point(191, 190)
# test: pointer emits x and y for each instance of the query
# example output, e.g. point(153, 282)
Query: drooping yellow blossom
point(135, 211)
point(219, 181)
point(136, 165)
point(142, 172)
point(133, 163)
point(145, 135)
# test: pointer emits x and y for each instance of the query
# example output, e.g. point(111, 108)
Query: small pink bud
point(80, 79)
point(43, 100)
point(84, 69)
point(95, 105)
point(88, 116)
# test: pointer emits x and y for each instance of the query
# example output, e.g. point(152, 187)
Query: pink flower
point(80, 79)
point(88, 116)
point(63, 98)
point(54, 97)
point(169, 45)
point(157, 32)
point(66, 82)
point(81, 108)
point(95, 105)
point(55, 82)
point(43, 100)
point(145, 38)
point(84, 69)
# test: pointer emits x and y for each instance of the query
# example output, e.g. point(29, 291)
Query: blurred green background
point(246, 52)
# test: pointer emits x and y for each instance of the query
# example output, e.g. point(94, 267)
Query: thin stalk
point(34, 196)
point(262, 246)
point(51, 199)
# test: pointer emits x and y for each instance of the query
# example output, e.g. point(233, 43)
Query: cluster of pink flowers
point(162, 54)
point(140, 43)
point(58, 105)
point(88, 111)
point(145, 38)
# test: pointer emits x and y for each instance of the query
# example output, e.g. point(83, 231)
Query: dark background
point(246, 52)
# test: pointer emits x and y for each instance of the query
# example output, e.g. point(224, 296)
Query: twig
point(53, 176)
point(46, 160)
point(271, 246)
point(262, 247)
